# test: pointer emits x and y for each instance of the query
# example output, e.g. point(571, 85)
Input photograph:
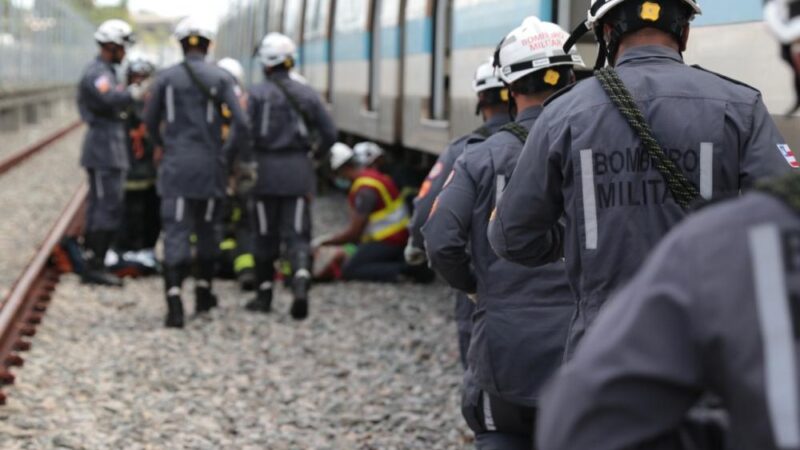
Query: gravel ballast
point(33, 196)
point(374, 367)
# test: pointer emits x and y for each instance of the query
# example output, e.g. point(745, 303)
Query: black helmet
point(628, 16)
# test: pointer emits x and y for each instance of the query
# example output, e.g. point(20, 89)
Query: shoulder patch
point(695, 66)
point(103, 83)
point(559, 93)
point(789, 156)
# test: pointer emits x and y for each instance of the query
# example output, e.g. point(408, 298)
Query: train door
point(275, 18)
point(331, 57)
point(375, 56)
point(440, 64)
point(293, 25)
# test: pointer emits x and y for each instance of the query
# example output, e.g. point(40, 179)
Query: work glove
point(319, 241)
point(414, 255)
point(139, 90)
point(246, 177)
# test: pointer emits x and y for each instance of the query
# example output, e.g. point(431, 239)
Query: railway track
point(24, 307)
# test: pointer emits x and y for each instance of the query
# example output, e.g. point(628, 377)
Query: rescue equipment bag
point(682, 190)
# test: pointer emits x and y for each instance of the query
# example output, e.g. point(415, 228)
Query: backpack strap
point(203, 88)
point(683, 191)
point(517, 130)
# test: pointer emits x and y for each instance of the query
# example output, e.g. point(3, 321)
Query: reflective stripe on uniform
point(707, 170)
point(210, 107)
point(210, 210)
point(179, 209)
point(499, 188)
point(263, 226)
point(392, 219)
point(589, 200)
point(98, 185)
point(772, 301)
point(244, 262)
point(170, 104)
point(299, 208)
point(488, 417)
point(265, 120)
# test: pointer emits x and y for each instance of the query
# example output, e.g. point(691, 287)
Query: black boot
point(205, 300)
point(301, 283)
point(263, 301)
point(173, 282)
point(97, 243)
point(265, 275)
point(174, 312)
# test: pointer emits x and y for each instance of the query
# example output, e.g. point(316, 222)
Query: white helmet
point(115, 31)
point(366, 153)
point(233, 67)
point(532, 47)
point(783, 19)
point(341, 154)
point(486, 78)
point(276, 49)
point(192, 26)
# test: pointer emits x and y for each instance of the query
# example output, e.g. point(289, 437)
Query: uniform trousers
point(105, 205)
point(276, 220)
point(183, 218)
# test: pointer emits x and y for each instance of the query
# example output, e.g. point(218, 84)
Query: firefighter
point(522, 314)
point(187, 100)
point(292, 128)
point(101, 102)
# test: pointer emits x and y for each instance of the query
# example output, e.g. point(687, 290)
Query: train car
point(399, 71)
point(732, 39)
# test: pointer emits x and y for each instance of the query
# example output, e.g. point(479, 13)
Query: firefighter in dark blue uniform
point(522, 314)
point(619, 178)
point(188, 100)
point(101, 101)
point(493, 108)
point(291, 128)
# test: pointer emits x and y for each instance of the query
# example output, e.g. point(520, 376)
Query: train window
point(374, 56)
point(440, 64)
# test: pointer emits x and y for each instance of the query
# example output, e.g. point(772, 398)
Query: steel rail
point(27, 301)
point(11, 161)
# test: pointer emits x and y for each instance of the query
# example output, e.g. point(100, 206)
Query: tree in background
point(99, 14)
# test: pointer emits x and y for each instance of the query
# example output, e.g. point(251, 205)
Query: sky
point(211, 10)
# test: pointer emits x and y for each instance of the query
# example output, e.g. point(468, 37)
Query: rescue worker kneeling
point(522, 314)
point(378, 222)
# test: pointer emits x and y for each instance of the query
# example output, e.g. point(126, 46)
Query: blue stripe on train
point(482, 25)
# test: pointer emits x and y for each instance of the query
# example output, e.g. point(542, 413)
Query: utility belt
point(109, 116)
point(281, 151)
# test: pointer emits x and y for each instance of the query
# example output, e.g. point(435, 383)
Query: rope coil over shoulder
point(785, 188)
point(683, 191)
point(517, 130)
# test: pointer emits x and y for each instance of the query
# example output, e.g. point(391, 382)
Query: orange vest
point(389, 222)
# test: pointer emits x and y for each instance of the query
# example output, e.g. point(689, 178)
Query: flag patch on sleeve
point(103, 84)
point(788, 154)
